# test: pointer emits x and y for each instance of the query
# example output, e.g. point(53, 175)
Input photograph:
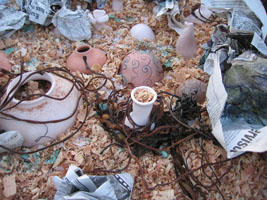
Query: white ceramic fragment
point(186, 44)
point(142, 32)
point(141, 110)
point(42, 109)
point(98, 18)
point(11, 140)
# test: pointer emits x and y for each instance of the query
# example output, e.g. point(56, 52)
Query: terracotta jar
point(42, 109)
point(4, 64)
point(192, 86)
point(94, 56)
point(141, 69)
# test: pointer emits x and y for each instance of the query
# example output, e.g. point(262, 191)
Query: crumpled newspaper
point(75, 25)
point(100, 3)
point(11, 140)
point(4, 1)
point(10, 20)
point(244, 17)
point(236, 92)
point(76, 185)
point(172, 10)
point(41, 11)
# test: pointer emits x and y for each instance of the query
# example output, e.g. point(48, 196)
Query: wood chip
point(10, 187)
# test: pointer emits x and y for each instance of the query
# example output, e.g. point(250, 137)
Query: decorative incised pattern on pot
point(141, 68)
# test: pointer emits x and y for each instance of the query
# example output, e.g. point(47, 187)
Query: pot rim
point(83, 46)
point(144, 103)
point(29, 76)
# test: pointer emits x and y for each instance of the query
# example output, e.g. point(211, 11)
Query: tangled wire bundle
point(170, 121)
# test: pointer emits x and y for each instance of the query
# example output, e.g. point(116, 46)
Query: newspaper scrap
point(236, 136)
point(41, 11)
point(2, 2)
point(236, 93)
point(244, 17)
point(112, 187)
point(11, 140)
point(171, 9)
point(75, 25)
point(10, 20)
point(100, 3)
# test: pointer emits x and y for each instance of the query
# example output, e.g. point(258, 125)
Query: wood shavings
point(143, 95)
point(247, 178)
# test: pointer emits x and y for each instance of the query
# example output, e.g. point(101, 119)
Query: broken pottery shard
point(4, 63)
point(10, 187)
point(186, 44)
point(246, 85)
point(11, 140)
point(75, 25)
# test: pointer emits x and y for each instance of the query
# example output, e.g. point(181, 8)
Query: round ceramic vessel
point(191, 87)
point(141, 69)
point(142, 32)
point(42, 109)
point(94, 56)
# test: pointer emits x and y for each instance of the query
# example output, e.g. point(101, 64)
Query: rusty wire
point(172, 131)
point(62, 72)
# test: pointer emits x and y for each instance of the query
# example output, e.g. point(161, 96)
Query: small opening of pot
point(143, 95)
point(83, 49)
point(32, 90)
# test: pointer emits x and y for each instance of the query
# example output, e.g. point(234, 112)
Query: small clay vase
point(186, 44)
point(94, 56)
point(99, 18)
point(141, 69)
point(141, 110)
point(191, 87)
point(4, 64)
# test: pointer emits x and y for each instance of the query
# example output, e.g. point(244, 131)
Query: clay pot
point(142, 32)
point(141, 110)
point(141, 69)
point(94, 56)
point(99, 18)
point(190, 86)
point(42, 109)
point(4, 64)
point(186, 44)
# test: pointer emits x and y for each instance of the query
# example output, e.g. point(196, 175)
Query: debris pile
point(172, 156)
